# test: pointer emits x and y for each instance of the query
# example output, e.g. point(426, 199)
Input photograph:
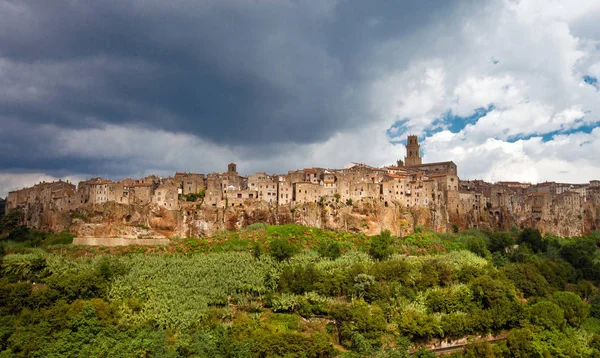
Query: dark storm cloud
point(230, 72)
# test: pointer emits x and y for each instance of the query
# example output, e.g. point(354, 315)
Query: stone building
point(285, 190)
point(265, 185)
point(241, 197)
point(166, 195)
point(142, 193)
point(306, 192)
point(191, 183)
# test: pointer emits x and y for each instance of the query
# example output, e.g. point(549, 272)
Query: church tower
point(413, 151)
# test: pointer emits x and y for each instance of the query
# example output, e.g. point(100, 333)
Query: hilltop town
point(397, 197)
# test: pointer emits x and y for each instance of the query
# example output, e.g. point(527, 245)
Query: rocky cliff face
point(370, 217)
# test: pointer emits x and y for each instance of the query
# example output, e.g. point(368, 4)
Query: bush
point(500, 241)
point(360, 325)
point(476, 245)
point(419, 326)
point(528, 279)
point(547, 314)
point(381, 246)
point(257, 250)
point(282, 249)
point(330, 251)
point(490, 292)
point(533, 239)
point(298, 279)
point(454, 228)
point(574, 308)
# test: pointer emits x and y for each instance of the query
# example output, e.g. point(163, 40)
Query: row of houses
point(408, 186)
point(542, 200)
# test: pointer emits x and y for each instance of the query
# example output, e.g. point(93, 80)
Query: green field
point(293, 291)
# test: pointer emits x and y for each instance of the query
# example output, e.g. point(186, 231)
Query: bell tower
point(413, 151)
point(231, 168)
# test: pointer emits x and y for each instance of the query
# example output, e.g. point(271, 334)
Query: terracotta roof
point(310, 170)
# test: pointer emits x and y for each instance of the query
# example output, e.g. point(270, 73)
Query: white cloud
point(535, 87)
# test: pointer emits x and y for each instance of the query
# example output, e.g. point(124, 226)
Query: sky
point(507, 89)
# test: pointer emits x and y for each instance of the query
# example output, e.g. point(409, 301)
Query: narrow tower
point(231, 168)
point(413, 151)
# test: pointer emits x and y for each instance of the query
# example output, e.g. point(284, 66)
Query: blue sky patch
point(583, 128)
point(396, 130)
point(454, 123)
point(448, 121)
point(592, 81)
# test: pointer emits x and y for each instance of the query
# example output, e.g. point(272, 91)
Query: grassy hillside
point(295, 291)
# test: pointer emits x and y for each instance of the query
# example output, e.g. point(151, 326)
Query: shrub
point(533, 239)
point(546, 314)
point(500, 241)
point(528, 279)
point(420, 326)
point(381, 246)
point(257, 250)
point(454, 228)
point(574, 308)
point(330, 251)
point(282, 249)
point(490, 292)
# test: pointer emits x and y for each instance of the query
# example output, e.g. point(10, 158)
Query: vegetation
point(270, 291)
point(195, 196)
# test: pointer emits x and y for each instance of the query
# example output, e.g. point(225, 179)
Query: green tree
point(547, 314)
point(528, 279)
point(282, 249)
point(330, 251)
point(381, 246)
point(500, 241)
point(575, 310)
point(490, 292)
point(533, 239)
